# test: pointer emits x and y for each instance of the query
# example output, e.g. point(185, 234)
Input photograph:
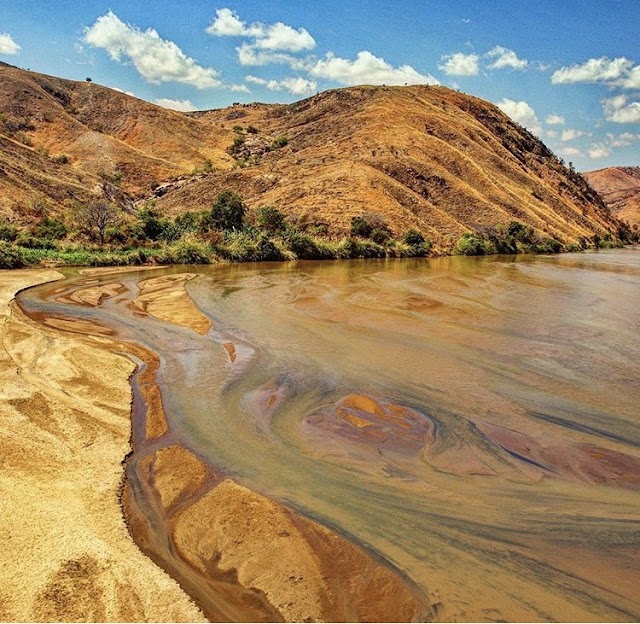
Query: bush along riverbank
point(101, 234)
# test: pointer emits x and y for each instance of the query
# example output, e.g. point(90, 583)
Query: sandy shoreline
point(69, 556)
point(66, 553)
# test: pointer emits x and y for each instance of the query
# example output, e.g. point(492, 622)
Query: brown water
point(474, 421)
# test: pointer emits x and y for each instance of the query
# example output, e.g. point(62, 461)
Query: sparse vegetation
point(103, 235)
point(512, 238)
point(8, 232)
point(228, 211)
point(96, 216)
point(11, 257)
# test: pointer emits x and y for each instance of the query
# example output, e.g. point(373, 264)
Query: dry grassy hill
point(620, 189)
point(420, 156)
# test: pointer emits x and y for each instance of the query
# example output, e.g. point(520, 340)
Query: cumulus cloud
point(632, 80)
point(249, 55)
point(367, 69)
point(505, 58)
point(623, 140)
point(620, 110)
point(570, 151)
point(460, 64)
point(554, 120)
point(599, 150)
point(522, 113)
point(569, 134)
point(183, 106)
point(8, 45)
point(616, 71)
point(239, 88)
point(276, 36)
point(156, 59)
point(294, 85)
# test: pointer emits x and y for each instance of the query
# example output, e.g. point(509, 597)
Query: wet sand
point(66, 553)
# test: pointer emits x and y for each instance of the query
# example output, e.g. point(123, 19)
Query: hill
point(421, 156)
point(619, 187)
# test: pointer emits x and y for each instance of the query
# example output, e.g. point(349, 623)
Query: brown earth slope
point(421, 156)
point(620, 189)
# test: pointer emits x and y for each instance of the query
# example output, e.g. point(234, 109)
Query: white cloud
point(522, 113)
point(569, 134)
point(554, 120)
point(632, 81)
point(183, 106)
point(239, 88)
point(505, 58)
point(570, 151)
point(8, 45)
point(598, 150)
point(294, 85)
point(367, 69)
point(156, 59)
point(276, 36)
point(618, 110)
point(623, 140)
point(552, 134)
point(249, 55)
point(460, 64)
point(600, 69)
point(226, 24)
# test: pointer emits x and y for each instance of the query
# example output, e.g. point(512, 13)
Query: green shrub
point(305, 247)
point(154, 227)
point(267, 250)
point(352, 248)
point(228, 211)
point(10, 257)
point(279, 142)
point(470, 244)
point(185, 252)
point(360, 227)
point(547, 246)
point(417, 243)
point(413, 238)
point(25, 239)
point(380, 236)
point(270, 219)
point(8, 232)
point(51, 228)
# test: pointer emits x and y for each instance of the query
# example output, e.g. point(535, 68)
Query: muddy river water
point(473, 422)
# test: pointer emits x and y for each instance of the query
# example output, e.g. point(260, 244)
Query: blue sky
point(568, 70)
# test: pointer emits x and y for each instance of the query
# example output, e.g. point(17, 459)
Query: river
point(475, 422)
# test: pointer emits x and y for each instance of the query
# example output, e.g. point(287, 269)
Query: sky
point(568, 70)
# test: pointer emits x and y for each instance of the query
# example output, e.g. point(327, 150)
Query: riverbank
point(66, 552)
point(240, 555)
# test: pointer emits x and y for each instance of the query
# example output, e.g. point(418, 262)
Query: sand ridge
point(64, 428)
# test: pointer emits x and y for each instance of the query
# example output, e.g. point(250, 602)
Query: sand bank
point(66, 553)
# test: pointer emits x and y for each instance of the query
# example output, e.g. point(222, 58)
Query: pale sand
point(165, 298)
point(65, 551)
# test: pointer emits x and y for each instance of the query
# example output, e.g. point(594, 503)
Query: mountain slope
point(619, 187)
point(424, 157)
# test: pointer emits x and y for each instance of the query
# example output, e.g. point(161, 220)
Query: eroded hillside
point(620, 189)
point(421, 156)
